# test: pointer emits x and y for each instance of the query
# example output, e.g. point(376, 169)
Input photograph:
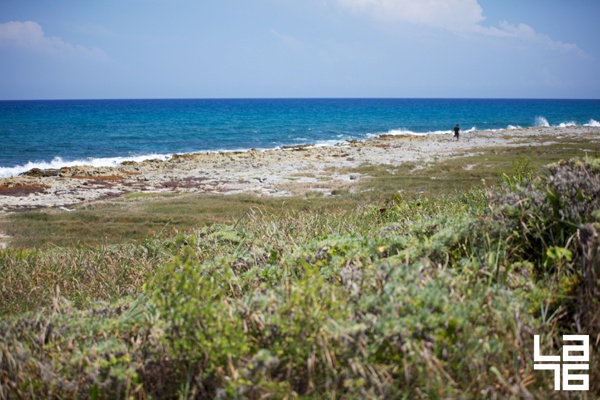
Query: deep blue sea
point(51, 134)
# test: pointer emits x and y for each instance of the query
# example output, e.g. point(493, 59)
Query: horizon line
point(298, 98)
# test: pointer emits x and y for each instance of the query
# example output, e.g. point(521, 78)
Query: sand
point(278, 172)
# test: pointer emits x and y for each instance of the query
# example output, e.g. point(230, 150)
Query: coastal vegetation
point(137, 216)
point(435, 291)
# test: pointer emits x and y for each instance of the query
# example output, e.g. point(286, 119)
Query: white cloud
point(458, 16)
point(526, 33)
point(453, 15)
point(30, 35)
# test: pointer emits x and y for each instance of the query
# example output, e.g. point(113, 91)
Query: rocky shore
point(278, 172)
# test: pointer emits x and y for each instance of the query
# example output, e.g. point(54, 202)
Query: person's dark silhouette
point(456, 131)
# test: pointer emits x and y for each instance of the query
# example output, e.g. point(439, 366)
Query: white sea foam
point(565, 124)
point(58, 162)
point(327, 143)
point(513, 127)
point(541, 121)
point(592, 122)
point(406, 132)
point(400, 132)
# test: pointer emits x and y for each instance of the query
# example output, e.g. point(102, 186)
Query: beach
point(287, 171)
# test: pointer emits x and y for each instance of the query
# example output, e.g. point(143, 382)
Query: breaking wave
point(565, 124)
point(541, 121)
point(58, 162)
point(592, 122)
point(406, 132)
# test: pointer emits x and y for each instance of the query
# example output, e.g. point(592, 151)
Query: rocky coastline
point(278, 172)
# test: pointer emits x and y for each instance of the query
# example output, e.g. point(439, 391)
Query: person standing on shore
point(456, 131)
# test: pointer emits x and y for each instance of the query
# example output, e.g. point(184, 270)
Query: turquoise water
point(105, 132)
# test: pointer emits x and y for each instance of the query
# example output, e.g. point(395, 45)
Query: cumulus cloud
point(30, 35)
point(458, 16)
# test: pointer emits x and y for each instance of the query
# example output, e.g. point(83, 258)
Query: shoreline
point(114, 161)
point(287, 171)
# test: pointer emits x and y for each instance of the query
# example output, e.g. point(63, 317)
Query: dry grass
point(138, 216)
point(21, 189)
point(426, 297)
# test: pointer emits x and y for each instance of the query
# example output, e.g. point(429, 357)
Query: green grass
point(468, 171)
point(138, 216)
point(432, 293)
point(133, 218)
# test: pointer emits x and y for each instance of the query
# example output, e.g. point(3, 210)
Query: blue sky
point(64, 49)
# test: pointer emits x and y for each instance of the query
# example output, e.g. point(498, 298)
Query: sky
point(110, 49)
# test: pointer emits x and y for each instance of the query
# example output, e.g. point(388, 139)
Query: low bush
point(417, 298)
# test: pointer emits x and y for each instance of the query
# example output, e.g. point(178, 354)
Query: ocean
point(52, 134)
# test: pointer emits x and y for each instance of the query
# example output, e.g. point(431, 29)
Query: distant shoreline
point(58, 162)
point(53, 134)
point(288, 171)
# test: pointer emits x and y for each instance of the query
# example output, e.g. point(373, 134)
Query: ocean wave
point(541, 121)
point(592, 122)
point(566, 124)
point(406, 132)
point(58, 162)
point(327, 143)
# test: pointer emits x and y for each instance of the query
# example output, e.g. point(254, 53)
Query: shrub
point(421, 298)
